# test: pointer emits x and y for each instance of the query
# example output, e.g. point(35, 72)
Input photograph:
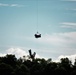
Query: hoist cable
point(37, 14)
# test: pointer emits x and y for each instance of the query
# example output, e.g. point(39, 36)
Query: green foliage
point(5, 69)
point(10, 65)
point(22, 70)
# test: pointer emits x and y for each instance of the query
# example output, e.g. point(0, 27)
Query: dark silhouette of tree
point(73, 72)
point(75, 62)
point(60, 71)
point(67, 64)
point(49, 60)
point(5, 69)
point(32, 56)
point(49, 69)
point(10, 65)
point(9, 59)
point(38, 66)
point(22, 70)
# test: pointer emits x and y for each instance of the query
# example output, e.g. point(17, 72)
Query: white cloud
point(55, 44)
point(57, 39)
point(50, 45)
point(1, 4)
point(11, 5)
point(71, 57)
point(2, 54)
point(68, 25)
point(18, 52)
point(16, 5)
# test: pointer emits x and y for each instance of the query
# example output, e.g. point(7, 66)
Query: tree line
point(10, 65)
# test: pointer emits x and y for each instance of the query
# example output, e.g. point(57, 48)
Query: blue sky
point(54, 19)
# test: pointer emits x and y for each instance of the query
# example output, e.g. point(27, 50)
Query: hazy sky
point(56, 20)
